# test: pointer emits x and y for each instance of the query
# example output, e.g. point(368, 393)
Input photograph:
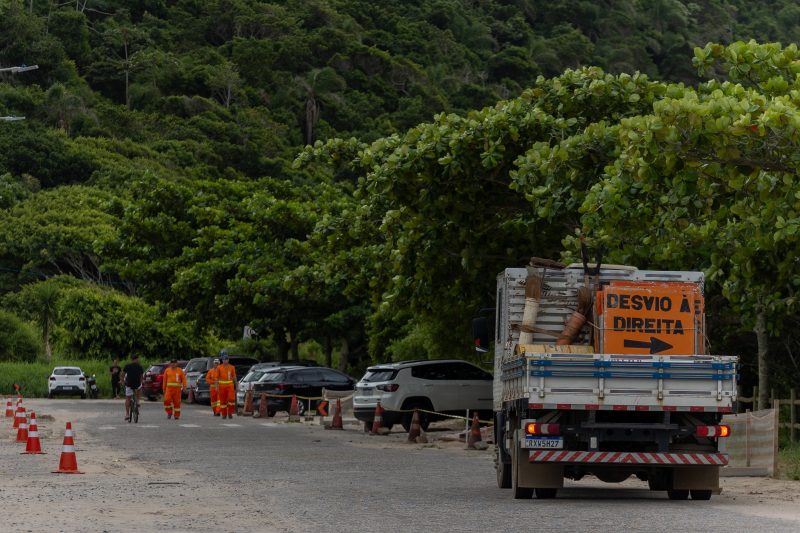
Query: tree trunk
point(328, 348)
point(283, 345)
point(295, 351)
point(344, 355)
point(763, 366)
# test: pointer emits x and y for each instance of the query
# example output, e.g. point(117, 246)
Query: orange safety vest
point(211, 376)
point(173, 377)
point(226, 374)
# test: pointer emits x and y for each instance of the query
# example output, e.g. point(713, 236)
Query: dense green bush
point(18, 339)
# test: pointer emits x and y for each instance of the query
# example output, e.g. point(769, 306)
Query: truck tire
point(502, 469)
point(675, 494)
point(698, 494)
point(546, 494)
point(520, 493)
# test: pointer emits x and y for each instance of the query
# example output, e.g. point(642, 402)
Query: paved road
point(264, 475)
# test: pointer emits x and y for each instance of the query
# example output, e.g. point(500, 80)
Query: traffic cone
point(414, 430)
point(33, 445)
point(248, 403)
point(294, 412)
point(68, 464)
point(9, 409)
point(262, 407)
point(22, 432)
point(377, 421)
point(190, 396)
point(474, 433)
point(19, 415)
point(336, 423)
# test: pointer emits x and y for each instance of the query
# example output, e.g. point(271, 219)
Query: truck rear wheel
point(701, 494)
point(678, 494)
point(546, 494)
point(502, 469)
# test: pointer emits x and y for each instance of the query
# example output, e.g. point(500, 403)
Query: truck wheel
point(502, 469)
point(520, 493)
point(678, 494)
point(701, 494)
point(546, 494)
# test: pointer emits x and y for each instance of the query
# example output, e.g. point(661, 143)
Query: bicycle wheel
point(136, 412)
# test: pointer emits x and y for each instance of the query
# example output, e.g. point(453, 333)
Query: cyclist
point(132, 378)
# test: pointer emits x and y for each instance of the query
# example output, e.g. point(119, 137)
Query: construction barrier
point(752, 447)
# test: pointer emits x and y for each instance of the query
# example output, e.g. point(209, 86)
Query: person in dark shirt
point(115, 370)
point(132, 377)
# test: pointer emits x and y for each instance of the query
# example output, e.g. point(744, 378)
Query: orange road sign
point(651, 318)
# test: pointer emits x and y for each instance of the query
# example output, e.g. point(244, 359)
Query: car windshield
point(67, 372)
point(253, 375)
point(379, 374)
point(155, 369)
point(196, 366)
point(272, 377)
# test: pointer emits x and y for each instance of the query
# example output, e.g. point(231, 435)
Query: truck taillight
point(534, 428)
point(388, 388)
point(712, 431)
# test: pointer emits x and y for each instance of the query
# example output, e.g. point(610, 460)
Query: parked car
point(66, 380)
point(201, 390)
point(151, 381)
point(445, 386)
point(303, 381)
point(257, 372)
point(195, 368)
point(274, 364)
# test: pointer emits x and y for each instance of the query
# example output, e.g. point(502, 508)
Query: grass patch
point(789, 462)
point(32, 377)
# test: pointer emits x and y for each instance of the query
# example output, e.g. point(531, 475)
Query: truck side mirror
point(480, 334)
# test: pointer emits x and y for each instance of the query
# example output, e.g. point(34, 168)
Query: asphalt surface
point(269, 475)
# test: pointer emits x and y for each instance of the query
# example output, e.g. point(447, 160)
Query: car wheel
point(700, 494)
point(424, 418)
point(270, 413)
point(152, 398)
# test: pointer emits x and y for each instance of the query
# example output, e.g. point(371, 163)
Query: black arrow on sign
point(655, 345)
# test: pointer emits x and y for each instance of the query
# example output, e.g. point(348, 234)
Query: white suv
point(448, 386)
point(66, 380)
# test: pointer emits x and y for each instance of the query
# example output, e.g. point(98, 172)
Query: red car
point(151, 382)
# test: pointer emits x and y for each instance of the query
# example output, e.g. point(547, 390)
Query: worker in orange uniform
point(173, 384)
point(213, 386)
point(226, 378)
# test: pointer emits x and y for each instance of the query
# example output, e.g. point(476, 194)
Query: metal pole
point(776, 406)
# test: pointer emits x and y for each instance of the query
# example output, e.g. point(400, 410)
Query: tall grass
point(32, 377)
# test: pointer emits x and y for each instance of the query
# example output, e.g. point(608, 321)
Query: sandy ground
point(118, 492)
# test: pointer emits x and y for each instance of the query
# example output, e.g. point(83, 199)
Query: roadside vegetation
point(347, 177)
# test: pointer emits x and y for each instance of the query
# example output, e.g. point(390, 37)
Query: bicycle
point(134, 414)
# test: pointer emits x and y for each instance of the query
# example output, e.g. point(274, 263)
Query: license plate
point(366, 392)
point(546, 443)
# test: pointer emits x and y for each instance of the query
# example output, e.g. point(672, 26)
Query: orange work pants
point(172, 401)
point(227, 399)
point(214, 399)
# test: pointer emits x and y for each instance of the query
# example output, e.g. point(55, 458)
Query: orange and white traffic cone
point(294, 411)
point(414, 430)
point(474, 433)
point(68, 464)
point(19, 415)
point(262, 406)
point(9, 409)
point(248, 403)
point(22, 431)
point(336, 423)
point(377, 421)
point(33, 445)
